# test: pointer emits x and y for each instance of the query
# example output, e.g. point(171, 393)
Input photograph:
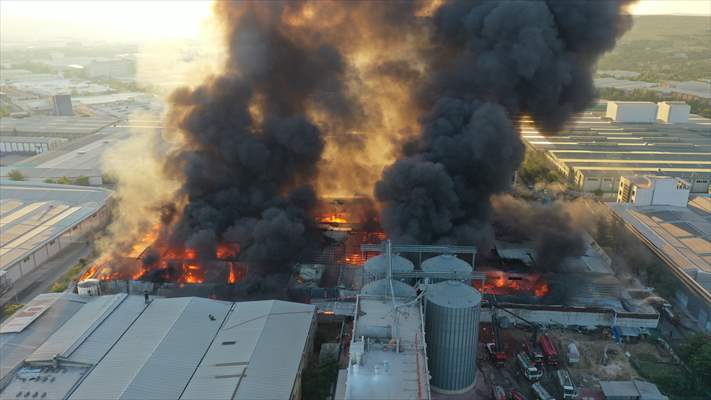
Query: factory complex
point(629, 138)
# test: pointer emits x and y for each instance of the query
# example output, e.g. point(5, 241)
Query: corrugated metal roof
point(252, 357)
point(81, 325)
point(33, 214)
point(173, 349)
point(277, 356)
point(94, 347)
point(156, 357)
point(14, 347)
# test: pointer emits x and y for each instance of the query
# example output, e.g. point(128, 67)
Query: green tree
point(82, 181)
point(696, 352)
point(49, 180)
point(317, 381)
point(16, 175)
point(64, 180)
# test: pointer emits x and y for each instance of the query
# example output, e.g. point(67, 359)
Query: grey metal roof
point(82, 324)
point(157, 356)
point(15, 347)
point(96, 345)
point(277, 356)
point(116, 347)
point(34, 214)
point(633, 389)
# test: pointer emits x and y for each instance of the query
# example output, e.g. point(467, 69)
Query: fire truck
point(566, 385)
point(534, 352)
point(528, 369)
point(549, 351)
point(495, 349)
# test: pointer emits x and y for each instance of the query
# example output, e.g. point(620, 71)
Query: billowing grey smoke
point(251, 151)
point(490, 62)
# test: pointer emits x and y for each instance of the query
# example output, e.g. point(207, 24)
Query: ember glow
point(334, 219)
point(502, 283)
point(159, 262)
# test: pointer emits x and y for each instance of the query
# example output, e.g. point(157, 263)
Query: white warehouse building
point(38, 220)
point(673, 112)
point(632, 111)
point(653, 190)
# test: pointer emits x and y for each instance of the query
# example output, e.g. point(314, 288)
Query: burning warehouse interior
point(360, 158)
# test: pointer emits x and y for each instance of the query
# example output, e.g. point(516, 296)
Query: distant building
point(632, 111)
point(39, 220)
point(110, 68)
point(61, 104)
point(34, 145)
point(594, 152)
point(631, 390)
point(673, 112)
point(653, 190)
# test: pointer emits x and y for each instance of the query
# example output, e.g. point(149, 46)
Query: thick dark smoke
point(489, 63)
point(551, 229)
point(251, 150)
point(253, 138)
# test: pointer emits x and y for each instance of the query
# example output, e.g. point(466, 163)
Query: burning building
point(416, 102)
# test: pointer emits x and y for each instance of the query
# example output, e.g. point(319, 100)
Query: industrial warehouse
point(630, 138)
point(135, 347)
point(39, 220)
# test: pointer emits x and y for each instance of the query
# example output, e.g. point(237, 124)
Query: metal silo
point(452, 334)
point(446, 263)
point(381, 287)
point(377, 267)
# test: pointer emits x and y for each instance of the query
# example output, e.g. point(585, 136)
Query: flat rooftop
point(29, 327)
point(383, 372)
point(681, 234)
point(592, 143)
point(53, 126)
point(179, 348)
point(34, 214)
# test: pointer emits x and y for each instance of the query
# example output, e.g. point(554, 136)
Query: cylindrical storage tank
point(446, 263)
point(452, 334)
point(377, 268)
point(89, 287)
point(381, 287)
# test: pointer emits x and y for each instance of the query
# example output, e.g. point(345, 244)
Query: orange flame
point(333, 219)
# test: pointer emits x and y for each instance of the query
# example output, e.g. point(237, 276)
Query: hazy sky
point(132, 20)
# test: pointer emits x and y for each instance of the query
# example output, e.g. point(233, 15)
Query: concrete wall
point(575, 316)
point(669, 192)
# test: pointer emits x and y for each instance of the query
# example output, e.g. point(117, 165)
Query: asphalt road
point(42, 278)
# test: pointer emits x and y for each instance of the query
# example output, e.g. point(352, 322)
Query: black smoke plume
point(551, 229)
point(488, 64)
point(251, 151)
